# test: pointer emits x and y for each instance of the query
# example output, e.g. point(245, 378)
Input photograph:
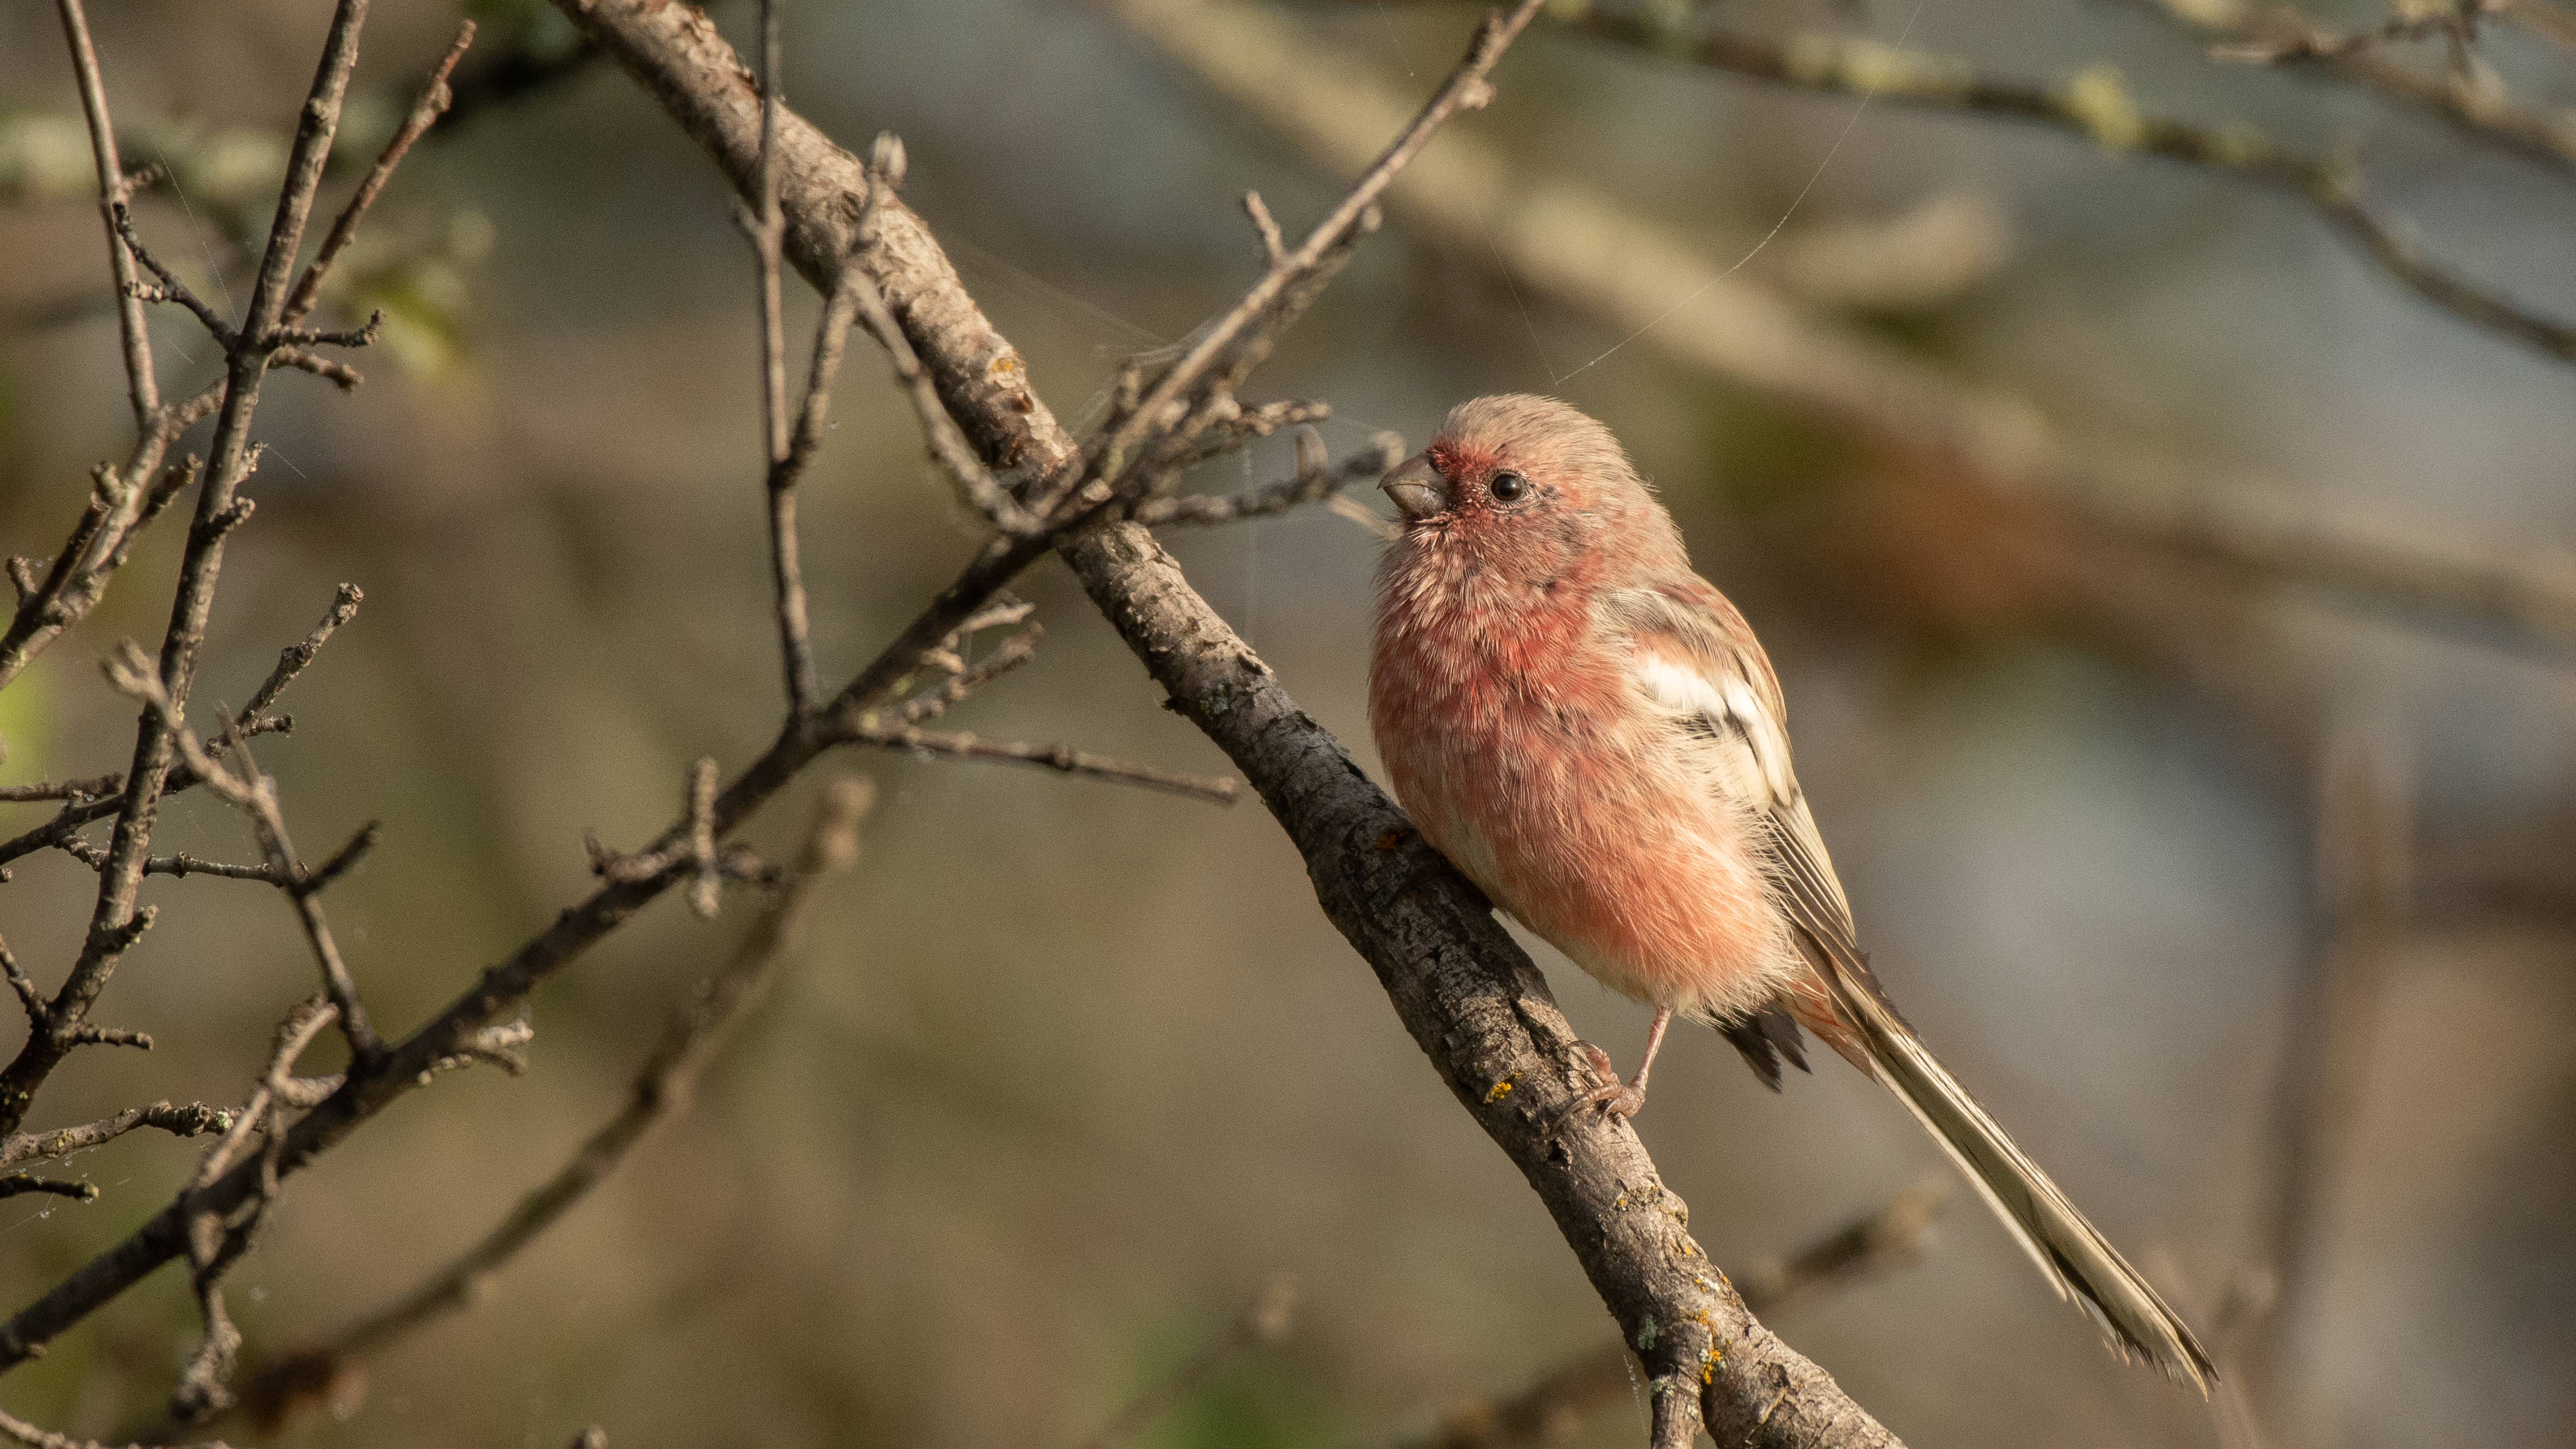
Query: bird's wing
point(1697, 661)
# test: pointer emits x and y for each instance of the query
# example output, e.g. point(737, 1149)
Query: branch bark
point(1468, 994)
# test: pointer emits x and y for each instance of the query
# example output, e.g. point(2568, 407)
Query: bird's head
point(1526, 493)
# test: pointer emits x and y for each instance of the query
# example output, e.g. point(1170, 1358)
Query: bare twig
point(184, 864)
point(124, 507)
point(1265, 1320)
point(255, 794)
point(23, 986)
point(88, 810)
point(1061, 758)
point(142, 388)
point(1274, 247)
point(1280, 291)
point(180, 1119)
point(948, 447)
point(931, 703)
point(2318, 43)
point(219, 510)
point(661, 1090)
point(778, 435)
point(18, 1184)
point(218, 1236)
point(1316, 480)
point(93, 788)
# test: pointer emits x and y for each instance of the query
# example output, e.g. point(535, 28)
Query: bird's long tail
point(2069, 1250)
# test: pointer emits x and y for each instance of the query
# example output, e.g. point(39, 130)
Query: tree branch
point(114, 920)
point(1472, 999)
point(661, 1090)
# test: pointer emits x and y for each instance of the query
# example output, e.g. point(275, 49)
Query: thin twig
point(184, 864)
point(975, 483)
point(105, 535)
point(219, 510)
point(1315, 481)
point(1129, 427)
point(434, 99)
point(778, 435)
point(219, 1235)
point(2318, 43)
point(18, 1184)
point(180, 1119)
point(87, 811)
point(142, 388)
point(1061, 758)
point(255, 794)
point(661, 1090)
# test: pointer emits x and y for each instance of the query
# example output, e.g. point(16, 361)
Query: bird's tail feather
point(2069, 1250)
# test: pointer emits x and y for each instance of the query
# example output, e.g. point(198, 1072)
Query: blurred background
point(1064, 1071)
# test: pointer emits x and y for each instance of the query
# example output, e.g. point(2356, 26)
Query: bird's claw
point(1612, 1097)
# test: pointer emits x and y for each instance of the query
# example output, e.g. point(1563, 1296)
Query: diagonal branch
point(1470, 996)
point(662, 1089)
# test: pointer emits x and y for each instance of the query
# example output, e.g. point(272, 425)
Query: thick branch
point(1469, 995)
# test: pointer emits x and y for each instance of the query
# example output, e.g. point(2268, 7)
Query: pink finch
point(1588, 730)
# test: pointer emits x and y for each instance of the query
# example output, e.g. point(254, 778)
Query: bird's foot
point(1612, 1097)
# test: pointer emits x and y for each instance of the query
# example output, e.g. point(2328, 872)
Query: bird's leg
point(1613, 1097)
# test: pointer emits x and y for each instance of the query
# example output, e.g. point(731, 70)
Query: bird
point(1590, 732)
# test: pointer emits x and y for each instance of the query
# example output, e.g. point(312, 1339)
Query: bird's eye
point(1508, 487)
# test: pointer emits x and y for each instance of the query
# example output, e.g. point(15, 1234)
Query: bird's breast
point(1528, 757)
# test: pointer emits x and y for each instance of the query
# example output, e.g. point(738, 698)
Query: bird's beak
point(1417, 488)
